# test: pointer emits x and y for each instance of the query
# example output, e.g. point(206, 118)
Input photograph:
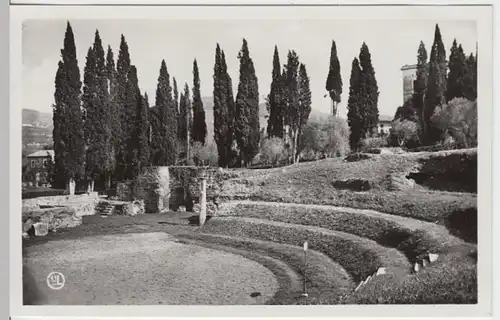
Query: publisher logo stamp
point(55, 280)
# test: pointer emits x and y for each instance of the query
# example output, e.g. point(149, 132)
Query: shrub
point(334, 138)
point(205, 154)
point(405, 131)
point(458, 118)
point(373, 143)
point(328, 138)
point(273, 150)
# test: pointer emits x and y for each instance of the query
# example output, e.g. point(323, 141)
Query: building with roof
point(384, 124)
point(38, 169)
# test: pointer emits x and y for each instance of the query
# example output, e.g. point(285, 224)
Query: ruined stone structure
point(409, 77)
point(168, 188)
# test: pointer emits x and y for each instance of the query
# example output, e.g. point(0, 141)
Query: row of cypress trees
point(106, 131)
point(438, 81)
point(289, 101)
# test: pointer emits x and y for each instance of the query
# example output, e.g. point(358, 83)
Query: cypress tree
point(69, 145)
point(470, 81)
point(247, 131)
point(304, 104)
point(132, 103)
point(114, 115)
point(368, 93)
point(223, 105)
point(334, 79)
point(167, 142)
point(275, 101)
point(354, 115)
point(123, 68)
point(185, 122)
point(292, 98)
point(97, 131)
point(458, 84)
point(199, 132)
point(436, 87)
point(142, 134)
point(176, 104)
point(420, 83)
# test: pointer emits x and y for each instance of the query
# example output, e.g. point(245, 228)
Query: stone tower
point(409, 76)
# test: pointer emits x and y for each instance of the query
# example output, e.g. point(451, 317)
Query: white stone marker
point(203, 202)
point(433, 257)
point(381, 271)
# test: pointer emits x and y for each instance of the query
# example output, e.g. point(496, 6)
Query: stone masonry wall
point(167, 188)
point(82, 205)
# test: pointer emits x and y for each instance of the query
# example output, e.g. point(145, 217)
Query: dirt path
point(147, 268)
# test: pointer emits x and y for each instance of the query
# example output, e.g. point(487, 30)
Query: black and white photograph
point(252, 160)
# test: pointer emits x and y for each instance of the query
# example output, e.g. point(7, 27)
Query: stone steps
point(104, 208)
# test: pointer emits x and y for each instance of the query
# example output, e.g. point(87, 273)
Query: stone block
point(41, 229)
point(433, 257)
point(381, 271)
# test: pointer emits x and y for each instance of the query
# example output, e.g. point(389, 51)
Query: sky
point(392, 44)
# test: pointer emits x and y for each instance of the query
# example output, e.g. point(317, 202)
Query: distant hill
point(37, 118)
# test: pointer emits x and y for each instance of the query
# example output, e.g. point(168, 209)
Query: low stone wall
point(83, 204)
point(53, 218)
point(168, 188)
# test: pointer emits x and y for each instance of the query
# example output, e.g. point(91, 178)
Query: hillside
point(37, 118)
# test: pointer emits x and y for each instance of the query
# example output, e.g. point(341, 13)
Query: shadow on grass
point(31, 294)
point(463, 224)
point(195, 220)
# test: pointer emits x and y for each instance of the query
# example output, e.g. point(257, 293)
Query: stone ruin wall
point(167, 188)
point(83, 204)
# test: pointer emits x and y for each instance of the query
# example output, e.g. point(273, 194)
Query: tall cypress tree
point(436, 87)
point(223, 109)
point(69, 146)
point(275, 100)
point(470, 81)
point(185, 120)
point(292, 98)
point(368, 93)
point(114, 115)
point(132, 102)
point(334, 79)
point(176, 104)
point(199, 132)
point(354, 114)
point(167, 142)
point(304, 104)
point(97, 130)
point(123, 68)
point(230, 106)
point(142, 133)
point(420, 83)
point(458, 84)
point(247, 131)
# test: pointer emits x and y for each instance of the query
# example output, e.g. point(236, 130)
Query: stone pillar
point(203, 201)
